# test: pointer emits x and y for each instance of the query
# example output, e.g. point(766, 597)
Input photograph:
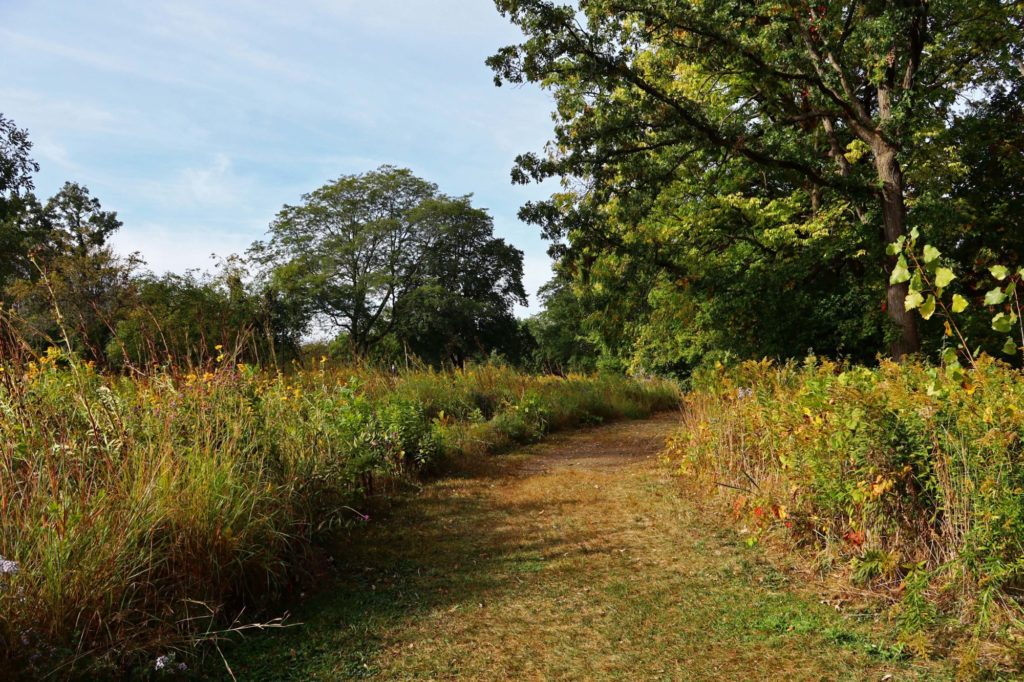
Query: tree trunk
point(894, 213)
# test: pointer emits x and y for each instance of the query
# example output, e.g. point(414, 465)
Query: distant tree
point(76, 222)
point(560, 331)
point(77, 287)
point(384, 255)
point(467, 285)
point(16, 164)
point(183, 319)
point(19, 209)
point(350, 250)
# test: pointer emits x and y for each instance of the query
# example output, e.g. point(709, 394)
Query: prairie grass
point(904, 480)
point(140, 515)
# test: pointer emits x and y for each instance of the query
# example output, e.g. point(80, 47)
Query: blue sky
point(196, 121)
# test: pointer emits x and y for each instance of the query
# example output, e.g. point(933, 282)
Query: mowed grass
point(578, 558)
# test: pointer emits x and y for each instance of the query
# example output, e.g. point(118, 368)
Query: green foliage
point(560, 331)
point(735, 171)
point(967, 332)
point(144, 512)
point(384, 256)
point(911, 473)
point(190, 319)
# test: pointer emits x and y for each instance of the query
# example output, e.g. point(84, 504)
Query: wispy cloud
point(214, 184)
point(196, 121)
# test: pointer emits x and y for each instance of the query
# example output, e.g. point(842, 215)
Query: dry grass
point(573, 559)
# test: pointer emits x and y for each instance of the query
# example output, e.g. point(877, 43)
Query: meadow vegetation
point(144, 514)
point(904, 479)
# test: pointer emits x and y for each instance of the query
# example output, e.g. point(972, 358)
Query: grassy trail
point(576, 559)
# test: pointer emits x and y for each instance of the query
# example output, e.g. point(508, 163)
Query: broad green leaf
point(913, 300)
point(959, 303)
point(915, 282)
point(893, 249)
point(928, 308)
point(1010, 347)
point(1002, 323)
point(931, 253)
point(949, 356)
point(995, 297)
point(900, 273)
point(943, 276)
point(915, 234)
point(999, 272)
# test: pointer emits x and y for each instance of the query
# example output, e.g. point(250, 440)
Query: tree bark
point(894, 213)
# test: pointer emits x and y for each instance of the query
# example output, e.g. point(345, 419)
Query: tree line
point(737, 179)
point(381, 264)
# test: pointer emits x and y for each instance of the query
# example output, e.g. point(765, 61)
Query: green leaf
point(999, 272)
point(900, 273)
point(913, 300)
point(959, 303)
point(995, 297)
point(950, 356)
point(943, 277)
point(915, 234)
point(1002, 323)
point(893, 249)
point(955, 371)
point(931, 253)
point(1010, 347)
point(928, 308)
point(915, 282)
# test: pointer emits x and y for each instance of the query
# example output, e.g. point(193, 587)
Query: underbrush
point(143, 515)
point(905, 480)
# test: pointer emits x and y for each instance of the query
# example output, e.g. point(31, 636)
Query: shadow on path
point(573, 559)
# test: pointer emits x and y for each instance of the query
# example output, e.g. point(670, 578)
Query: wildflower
point(162, 662)
point(8, 567)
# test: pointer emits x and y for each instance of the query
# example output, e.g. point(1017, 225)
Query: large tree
point(77, 287)
point(19, 209)
point(348, 251)
point(467, 285)
point(765, 116)
point(384, 254)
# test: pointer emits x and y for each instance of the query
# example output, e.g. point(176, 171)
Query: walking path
point(575, 559)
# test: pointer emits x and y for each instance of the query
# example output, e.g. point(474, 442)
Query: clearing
point(574, 559)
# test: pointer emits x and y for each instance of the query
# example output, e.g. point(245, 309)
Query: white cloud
point(214, 184)
point(196, 121)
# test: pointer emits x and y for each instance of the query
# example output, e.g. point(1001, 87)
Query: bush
point(138, 514)
point(909, 475)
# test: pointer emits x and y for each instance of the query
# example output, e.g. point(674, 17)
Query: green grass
point(575, 559)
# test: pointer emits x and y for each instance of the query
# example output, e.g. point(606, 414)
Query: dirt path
point(576, 559)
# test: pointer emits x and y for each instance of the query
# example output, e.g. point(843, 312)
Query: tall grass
point(139, 514)
point(903, 478)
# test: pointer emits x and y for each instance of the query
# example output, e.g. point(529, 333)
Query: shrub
point(910, 475)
